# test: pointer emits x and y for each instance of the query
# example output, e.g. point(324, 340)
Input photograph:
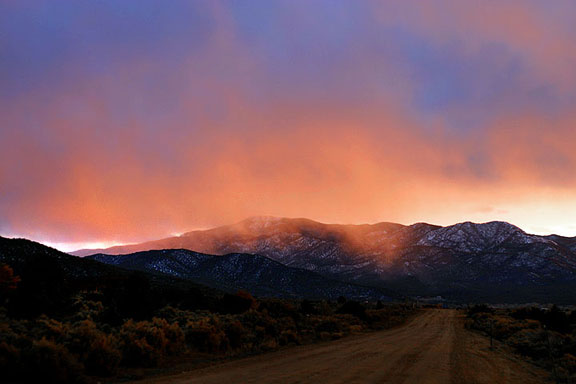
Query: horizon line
point(71, 247)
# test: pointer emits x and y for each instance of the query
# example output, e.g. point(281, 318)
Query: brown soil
point(432, 348)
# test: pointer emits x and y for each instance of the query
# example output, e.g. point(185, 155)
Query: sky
point(123, 121)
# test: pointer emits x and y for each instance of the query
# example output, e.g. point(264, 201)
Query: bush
point(10, 360)
point(530, 342)
point(238, 303)
point(353, 308)
point(307, 307)
point(568, 366)
point(289, 337)
point(479, 308)
point(176, 339)
point(528, 313)
point(95, 339)
point(329, 326)
point(557, 320)
point(146, 343)
point(385, 317)
point(505, 327)
point(96, 350)
point(205, 336)
point(50, 329)
point(49, 362)
point(278, 308)
point(236, 334)
point(87, 309)
point(8, 282)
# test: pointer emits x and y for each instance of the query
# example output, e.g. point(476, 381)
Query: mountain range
point(33, 261)
point(493, 262)
point(256, 274)
point(181, 269)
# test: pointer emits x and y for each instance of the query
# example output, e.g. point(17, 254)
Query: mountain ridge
point(259, 275)
point(258, 222)
point(485, 260)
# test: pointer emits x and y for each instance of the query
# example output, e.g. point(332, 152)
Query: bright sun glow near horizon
point(568, 231)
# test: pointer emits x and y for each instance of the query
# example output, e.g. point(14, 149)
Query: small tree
point(8, 281)
point(241, 302)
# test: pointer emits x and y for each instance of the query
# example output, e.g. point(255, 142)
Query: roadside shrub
point(289, 337)
point(568, 365)
point(557, 320)
point(96, 350)
point(102, 357)
point(530, 342)
point(324, 308)
point(50, 329)
point(135, 348)
point(572, 319)
point(87, 309)
point(307, 307)
point(272, 326)
point(238, 303)
point(95, 340)
point(383, 318)
point(278, 308)
point(528, 313)
point(505, 327)
point(147, 343)
point(268, 345)
point(204, 336)
point(7, 331)
point(263, 324)
point(479, 308)
point(353, 308)
point(176, 338)
point(170, 313)
point(236, 334)
point(356, 328)
point(8, 282)
point(10, 360)
point(49, 362)
point(329, 326)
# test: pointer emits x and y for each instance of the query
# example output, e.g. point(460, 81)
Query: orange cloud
point(97, 167)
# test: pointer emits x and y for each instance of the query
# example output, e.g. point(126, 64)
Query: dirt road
point(432, 348)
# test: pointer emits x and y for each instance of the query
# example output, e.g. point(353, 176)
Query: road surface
point(432, 348)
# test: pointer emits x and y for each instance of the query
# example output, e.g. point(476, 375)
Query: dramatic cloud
point(121, 122)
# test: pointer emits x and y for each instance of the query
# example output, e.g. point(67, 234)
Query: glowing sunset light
point(122, 122)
